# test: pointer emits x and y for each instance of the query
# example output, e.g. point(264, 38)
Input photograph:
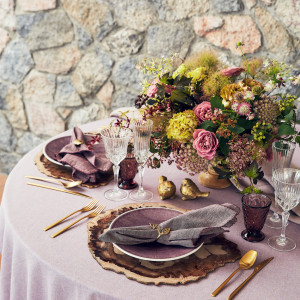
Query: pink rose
point(203, 111)
point(152, 90)
point(205, 143)
point(229, 72)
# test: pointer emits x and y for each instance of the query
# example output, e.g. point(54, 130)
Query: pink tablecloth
point(35, 266)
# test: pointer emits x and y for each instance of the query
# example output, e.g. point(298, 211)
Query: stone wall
point(69, 62)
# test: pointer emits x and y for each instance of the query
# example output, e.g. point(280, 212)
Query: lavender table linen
point(186, 230)
point(37, 267)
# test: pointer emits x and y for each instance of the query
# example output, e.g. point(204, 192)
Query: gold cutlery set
point(86, 208)
point(246, 262)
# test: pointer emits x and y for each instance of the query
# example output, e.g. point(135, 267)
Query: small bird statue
point(166, 189)
point(189, 190)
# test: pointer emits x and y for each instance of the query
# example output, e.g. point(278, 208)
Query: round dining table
point(37, 267)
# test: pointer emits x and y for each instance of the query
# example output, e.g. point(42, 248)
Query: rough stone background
point(68, 62)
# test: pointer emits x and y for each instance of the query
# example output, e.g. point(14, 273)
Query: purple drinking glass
point(255, 209)
point(128, 170)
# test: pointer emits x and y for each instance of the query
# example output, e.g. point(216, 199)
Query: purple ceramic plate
point(151, 251)
point(51, 152)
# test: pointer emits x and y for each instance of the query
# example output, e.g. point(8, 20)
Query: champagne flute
point(115, 142)
point(283, 152)
point(287, 195)
point(141, 134)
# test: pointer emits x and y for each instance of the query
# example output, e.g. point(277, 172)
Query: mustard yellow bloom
point(182, 126)
point(197, 74)
point(179, 71)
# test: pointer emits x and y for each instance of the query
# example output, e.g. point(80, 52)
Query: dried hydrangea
point(242, 152)
point(181, 127)
point(187, 159)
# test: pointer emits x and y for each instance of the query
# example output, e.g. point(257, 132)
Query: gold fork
point(88, 207)
point(93, 214)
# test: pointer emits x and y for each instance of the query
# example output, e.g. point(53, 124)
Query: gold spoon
point(246, 262)
point(67, 185)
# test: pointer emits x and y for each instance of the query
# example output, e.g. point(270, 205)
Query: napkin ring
point(78, 142)
point(161, 231)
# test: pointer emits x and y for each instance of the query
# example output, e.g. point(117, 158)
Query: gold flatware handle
point(240, 286)
point(54, 224)
point(64, 229)
point(43, 179)
point(97, 211)
point(256, 270)
point(60, 190)
point(217, 291)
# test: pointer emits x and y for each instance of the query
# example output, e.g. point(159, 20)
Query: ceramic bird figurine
point(166, 189)
point(189, 190)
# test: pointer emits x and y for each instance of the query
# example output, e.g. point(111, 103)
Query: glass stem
point(116, 177)
point(275, 217)
point(141, 174)
point(285, 217)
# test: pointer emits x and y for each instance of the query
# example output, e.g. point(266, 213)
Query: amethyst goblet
point(255, 209)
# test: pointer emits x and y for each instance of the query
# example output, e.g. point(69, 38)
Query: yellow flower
point(182, 126)
point(180, 71)
point(227, 93)
point(197, 74)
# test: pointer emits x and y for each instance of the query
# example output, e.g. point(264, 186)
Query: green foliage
point(285, 130)
point(216, 102)
point(224, 146)
point(236, 129)
point(208, 125)
point(254, 172)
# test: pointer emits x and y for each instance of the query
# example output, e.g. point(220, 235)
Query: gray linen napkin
point(187, 230)
point(80, 158)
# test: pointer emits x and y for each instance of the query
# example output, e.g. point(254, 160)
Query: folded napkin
point(83, 161)
point(187, 230)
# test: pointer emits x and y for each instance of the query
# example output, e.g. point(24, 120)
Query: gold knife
point(256, 270)
point(60, 190)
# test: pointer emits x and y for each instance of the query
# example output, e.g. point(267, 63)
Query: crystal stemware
point(283, 152)
point(287, 195)
point(115, 142)
point(141, 134)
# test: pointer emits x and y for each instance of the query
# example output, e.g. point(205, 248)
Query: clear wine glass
point(141, 135)
point(115, 142)
point(287, 195)
point(283, 152)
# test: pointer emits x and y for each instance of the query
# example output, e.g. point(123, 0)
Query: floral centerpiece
point(205, 114)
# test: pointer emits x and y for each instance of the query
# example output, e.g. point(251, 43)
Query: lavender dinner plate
point(151, 251)
point(51, 152)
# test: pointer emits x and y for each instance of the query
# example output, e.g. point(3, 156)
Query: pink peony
point(203, 111)
point(205, 143)
point(229, 72)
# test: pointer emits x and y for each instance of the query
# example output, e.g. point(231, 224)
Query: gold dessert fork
point(88, 207)
point(93, 214)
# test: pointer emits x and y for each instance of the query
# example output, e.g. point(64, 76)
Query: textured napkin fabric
point(82, 160)
point(187, 230)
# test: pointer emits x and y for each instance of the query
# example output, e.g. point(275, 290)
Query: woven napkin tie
point(187, 230)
